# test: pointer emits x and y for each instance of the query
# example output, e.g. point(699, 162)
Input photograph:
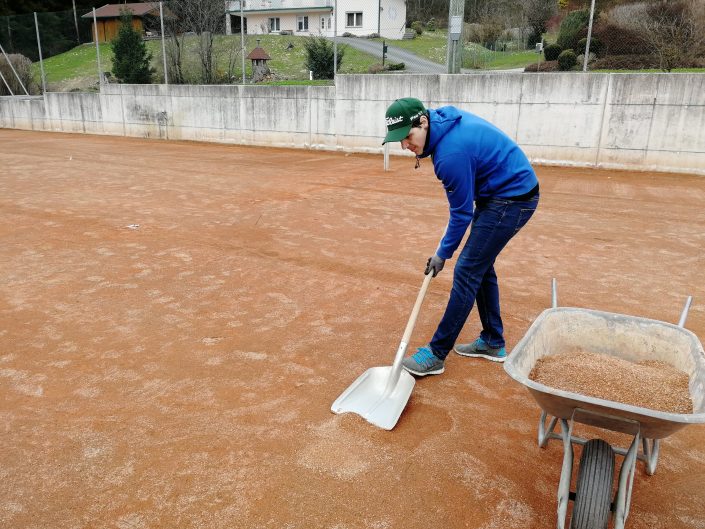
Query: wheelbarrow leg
point(566, 472)
point(546, 433)
point(650, 456)
point(626, 481)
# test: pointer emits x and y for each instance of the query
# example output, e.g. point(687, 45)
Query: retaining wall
point(630, 121)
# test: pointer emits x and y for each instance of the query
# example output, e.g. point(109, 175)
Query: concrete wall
point(630, 121)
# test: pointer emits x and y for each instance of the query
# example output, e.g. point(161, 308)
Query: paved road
point(413, 63)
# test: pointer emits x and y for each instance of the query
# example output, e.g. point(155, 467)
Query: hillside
point(77, 68)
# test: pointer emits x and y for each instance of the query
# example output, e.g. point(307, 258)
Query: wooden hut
point(108, 18)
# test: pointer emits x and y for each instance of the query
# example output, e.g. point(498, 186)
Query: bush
point(617, 40)
point(378, 68)
point(567, 60)
point(472, 32)
point(640, 62)
point(596, 47)
point(23, 67)
point(546, 66)
point(491, 31)
point(130, 56)
point(552, 51)
point(431, 25)
point(571, 26)
point(319, 56)
point(417, 26)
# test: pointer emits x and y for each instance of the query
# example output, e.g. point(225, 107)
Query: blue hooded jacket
point(474, 160)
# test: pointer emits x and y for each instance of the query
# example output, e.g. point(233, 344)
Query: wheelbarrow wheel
point(593, 493)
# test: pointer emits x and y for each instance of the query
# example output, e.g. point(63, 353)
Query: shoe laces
point(424, 356)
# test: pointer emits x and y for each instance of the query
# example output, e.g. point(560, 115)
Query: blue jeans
point(495, 221)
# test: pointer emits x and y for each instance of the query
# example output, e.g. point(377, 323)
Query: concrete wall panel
point(631, 121)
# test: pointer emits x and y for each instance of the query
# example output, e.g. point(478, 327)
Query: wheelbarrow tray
point(568, 329)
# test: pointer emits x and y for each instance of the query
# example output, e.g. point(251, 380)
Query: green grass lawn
point(77, 69)
point(432, 45)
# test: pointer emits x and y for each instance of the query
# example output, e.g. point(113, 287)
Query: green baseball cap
point(400, 115)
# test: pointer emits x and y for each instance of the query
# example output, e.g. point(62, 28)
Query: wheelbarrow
point(567, 329)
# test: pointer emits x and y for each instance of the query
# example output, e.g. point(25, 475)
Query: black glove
point(434, 264)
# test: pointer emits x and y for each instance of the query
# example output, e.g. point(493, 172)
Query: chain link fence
point(60, 34)
point(291, 41)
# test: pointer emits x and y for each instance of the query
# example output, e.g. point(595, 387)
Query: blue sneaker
point(480, 349)
point(423, 362)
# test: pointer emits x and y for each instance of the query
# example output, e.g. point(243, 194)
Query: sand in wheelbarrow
point(648, 384)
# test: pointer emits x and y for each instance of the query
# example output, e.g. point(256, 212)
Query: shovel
point(380, 394)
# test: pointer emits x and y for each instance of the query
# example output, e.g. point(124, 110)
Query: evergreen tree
point(319, 57)
point(130, 56)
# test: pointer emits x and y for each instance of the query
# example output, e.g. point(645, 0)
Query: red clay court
point(176, 319)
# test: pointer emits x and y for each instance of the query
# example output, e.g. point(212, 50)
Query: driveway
point(413, 63)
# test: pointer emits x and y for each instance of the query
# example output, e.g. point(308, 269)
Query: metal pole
point(335, 38)
point(9, 35)
point(379, 18)
point(97, 49)
point(75, 21)
point(41, 61)
point(589, 35)
point(161, 20)
point(242, 42)
point(13, 69)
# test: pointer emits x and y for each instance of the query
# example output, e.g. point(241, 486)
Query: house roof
point(113, 10)
point(258, 54)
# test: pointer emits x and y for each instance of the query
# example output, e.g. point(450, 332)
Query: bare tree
point(537, 13)
point(671, 29)
point(204, 18)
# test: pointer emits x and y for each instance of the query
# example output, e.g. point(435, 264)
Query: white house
point(317, 17)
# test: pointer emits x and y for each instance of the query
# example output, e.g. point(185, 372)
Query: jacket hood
point(441, 121)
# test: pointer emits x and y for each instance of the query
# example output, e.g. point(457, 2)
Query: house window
point(354, 20)
point(302, 23)
point(274, 24)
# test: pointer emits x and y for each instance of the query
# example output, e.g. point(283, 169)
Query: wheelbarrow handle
point(684, 314)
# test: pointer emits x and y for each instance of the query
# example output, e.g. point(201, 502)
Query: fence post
point(242, 41)
point(161, 20)
point(41, 61)
point(454, 56)
point(97, 49)
point(589, 35)
point(75, 21)
point(335, 38)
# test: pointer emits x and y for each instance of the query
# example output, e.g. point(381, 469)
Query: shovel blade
point(370, 398)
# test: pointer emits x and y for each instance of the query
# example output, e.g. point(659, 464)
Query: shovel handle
point(412, 322)
point(417, 308)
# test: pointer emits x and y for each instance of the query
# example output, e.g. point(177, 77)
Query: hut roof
point(258, 54)
point(113, 10)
